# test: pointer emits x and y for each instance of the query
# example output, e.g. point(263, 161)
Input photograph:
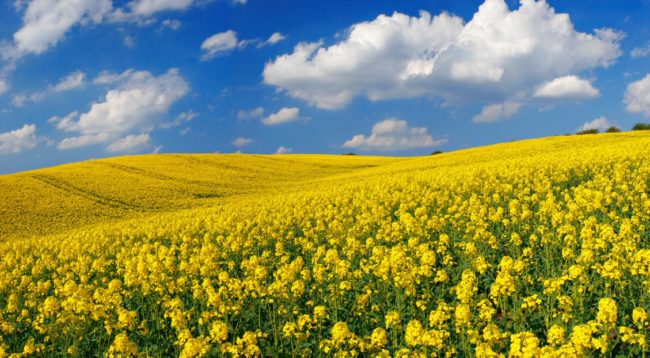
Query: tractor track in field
point(158, 176)
point(210, 163)
point(69, 188)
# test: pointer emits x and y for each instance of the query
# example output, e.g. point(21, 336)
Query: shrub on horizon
point(588, 131)
point(641, 127)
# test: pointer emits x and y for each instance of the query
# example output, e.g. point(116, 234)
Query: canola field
point(539, 248)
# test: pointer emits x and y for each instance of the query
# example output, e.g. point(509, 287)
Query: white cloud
point(496, 112)
point(242, 142)
point(46, 22)
point(4, 85)
point(130, 143)
point(150, 7)
point(19, 5)
point(566, 87)
point(84, 140)
point(600, 123)
point(63, 122)
point(394, 134)
point(107, 77)
point(129, 41)
point(240, 2)
point(18, 140)
point(640, 52)
point(275, 38)
point(285, 115)
point(284, 150)
point(72, 81)
point(19, 99)
point(493, 58)
point(218, 44)
point(252, 114)
point(135, 105)
point(173, 25)
point(182, 118)
point(227, 41)
point(637, 96)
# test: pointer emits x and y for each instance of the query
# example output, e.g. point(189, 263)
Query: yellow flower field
point(525, 249)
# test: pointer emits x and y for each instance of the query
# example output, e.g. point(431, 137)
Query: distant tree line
point(612, 129)
point(637, 127)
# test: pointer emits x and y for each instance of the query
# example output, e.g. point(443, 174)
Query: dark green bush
point(588, 131)
point(641, 127)
point(613, 130)
point(436, 152)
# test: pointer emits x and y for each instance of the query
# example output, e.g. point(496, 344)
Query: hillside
point(531, 248)
point(53, 200)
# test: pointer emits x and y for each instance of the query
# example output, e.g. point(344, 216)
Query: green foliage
point(588, 131)
point(436, 152)
point(613, 129)
point(641, 127)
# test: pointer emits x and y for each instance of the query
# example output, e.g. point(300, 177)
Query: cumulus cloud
point(640, 52)
point(285, 115)
point(600, 123)
point(139, 101)
point(284, 150)
point(224, 42)
point(275, 38)
point(150, 7)
point(637, 96)
point(173, 25)
point(18, 140)
point(496, 56)
point(181, 119)
point(496, 112)
point(46, 22)
point(71, 81)
point(218, 44)
point(63, 122)
point(84, 140)
point(242, 142)
point(129, 41)
point(107, 77)
point(251, 114)
point(4, 85)
point(130, 143)
point(19, 99)
point(394, 134)
point(566, 87)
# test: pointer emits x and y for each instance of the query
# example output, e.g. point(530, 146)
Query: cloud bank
point(500, 55)
point(135, 105)
point(394, 134)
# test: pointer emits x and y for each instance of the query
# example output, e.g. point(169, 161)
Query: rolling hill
point(531, 248)
point(53, 200)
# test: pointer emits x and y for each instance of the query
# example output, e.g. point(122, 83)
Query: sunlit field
point(524, 249)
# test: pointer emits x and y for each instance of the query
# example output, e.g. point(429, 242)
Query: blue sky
point(96, 78)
